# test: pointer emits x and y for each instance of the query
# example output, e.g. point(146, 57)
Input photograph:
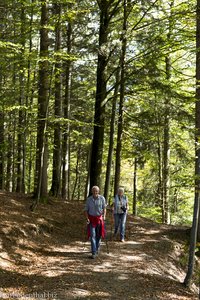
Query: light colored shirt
point(120, 202)
point(95, 207)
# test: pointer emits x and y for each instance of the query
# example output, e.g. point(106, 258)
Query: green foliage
point(155, 32)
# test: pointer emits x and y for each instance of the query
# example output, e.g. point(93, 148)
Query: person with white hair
point(95, 211)
point(120, 209)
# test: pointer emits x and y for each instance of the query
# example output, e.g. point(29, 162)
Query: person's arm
point(87, 217)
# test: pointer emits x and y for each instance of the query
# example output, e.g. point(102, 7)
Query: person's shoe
point(93, 256)
point(122, 240)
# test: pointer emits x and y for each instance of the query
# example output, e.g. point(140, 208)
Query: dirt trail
point(45, 255)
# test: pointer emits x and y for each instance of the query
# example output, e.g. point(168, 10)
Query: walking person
point(95, 211)
point(120, 208)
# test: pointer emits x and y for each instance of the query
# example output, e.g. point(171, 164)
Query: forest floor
point(45, 255)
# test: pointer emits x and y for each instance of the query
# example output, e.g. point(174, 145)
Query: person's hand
point(88, 221)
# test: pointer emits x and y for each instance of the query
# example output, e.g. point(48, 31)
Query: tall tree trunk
point(194, 231)
point(43, 96)
point(121, 102)
point(2, 133)
point(166, 153)
point(2, 145)
point(2, 151)
point(166, 135)
point(56, 174)
point(20, 186)
point(77, 173)
point(66, 112)
point(9, 153)
point(135, 188)
point(99, 116)
point(159, 194)
point(13, 155)
point(87, 183)
point(29, 100)
point(111, 139)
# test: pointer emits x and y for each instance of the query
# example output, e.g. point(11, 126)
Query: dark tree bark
point(99, 116)
point(9, 167)
point(2, 143)
point(121, 102)
point(2, 133)
point(87, 183)
point(2, 151)
point(77, 173)
point(29, 101)
point(56, 174)
point(159, 194)
point(135, 188)
point(66, 112)
point(20, 186)
point(43, 96)
point(166, 152)
point(194, 231)
point(166, 134)
point(111, 139)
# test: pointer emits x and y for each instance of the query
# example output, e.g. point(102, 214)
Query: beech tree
point(43, 100)
point(57, 153)
point(195, 225)
point(107, 12)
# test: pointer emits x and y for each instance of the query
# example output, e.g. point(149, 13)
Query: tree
point(194, 230)
point(57, 154)
point(107, 11)
point(66, 113)
point(121, 100)
point(111, 137)
point(20, 187)
point(43, 99)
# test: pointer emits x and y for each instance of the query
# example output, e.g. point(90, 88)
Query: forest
point(106, 93)
point(100, 92)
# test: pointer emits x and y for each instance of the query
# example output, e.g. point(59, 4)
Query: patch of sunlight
point(51, 273)
point(104, 267)
point(6, 230)
point(66, 249)
point(102, 294)
point(16, 202)
point(123, 277)
point(80, 292)
point(15, 213)
point(167, 269)
point(107, 264)
point(131, 258)
point(133, 243)
point(151, 231)
point(5, 260)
